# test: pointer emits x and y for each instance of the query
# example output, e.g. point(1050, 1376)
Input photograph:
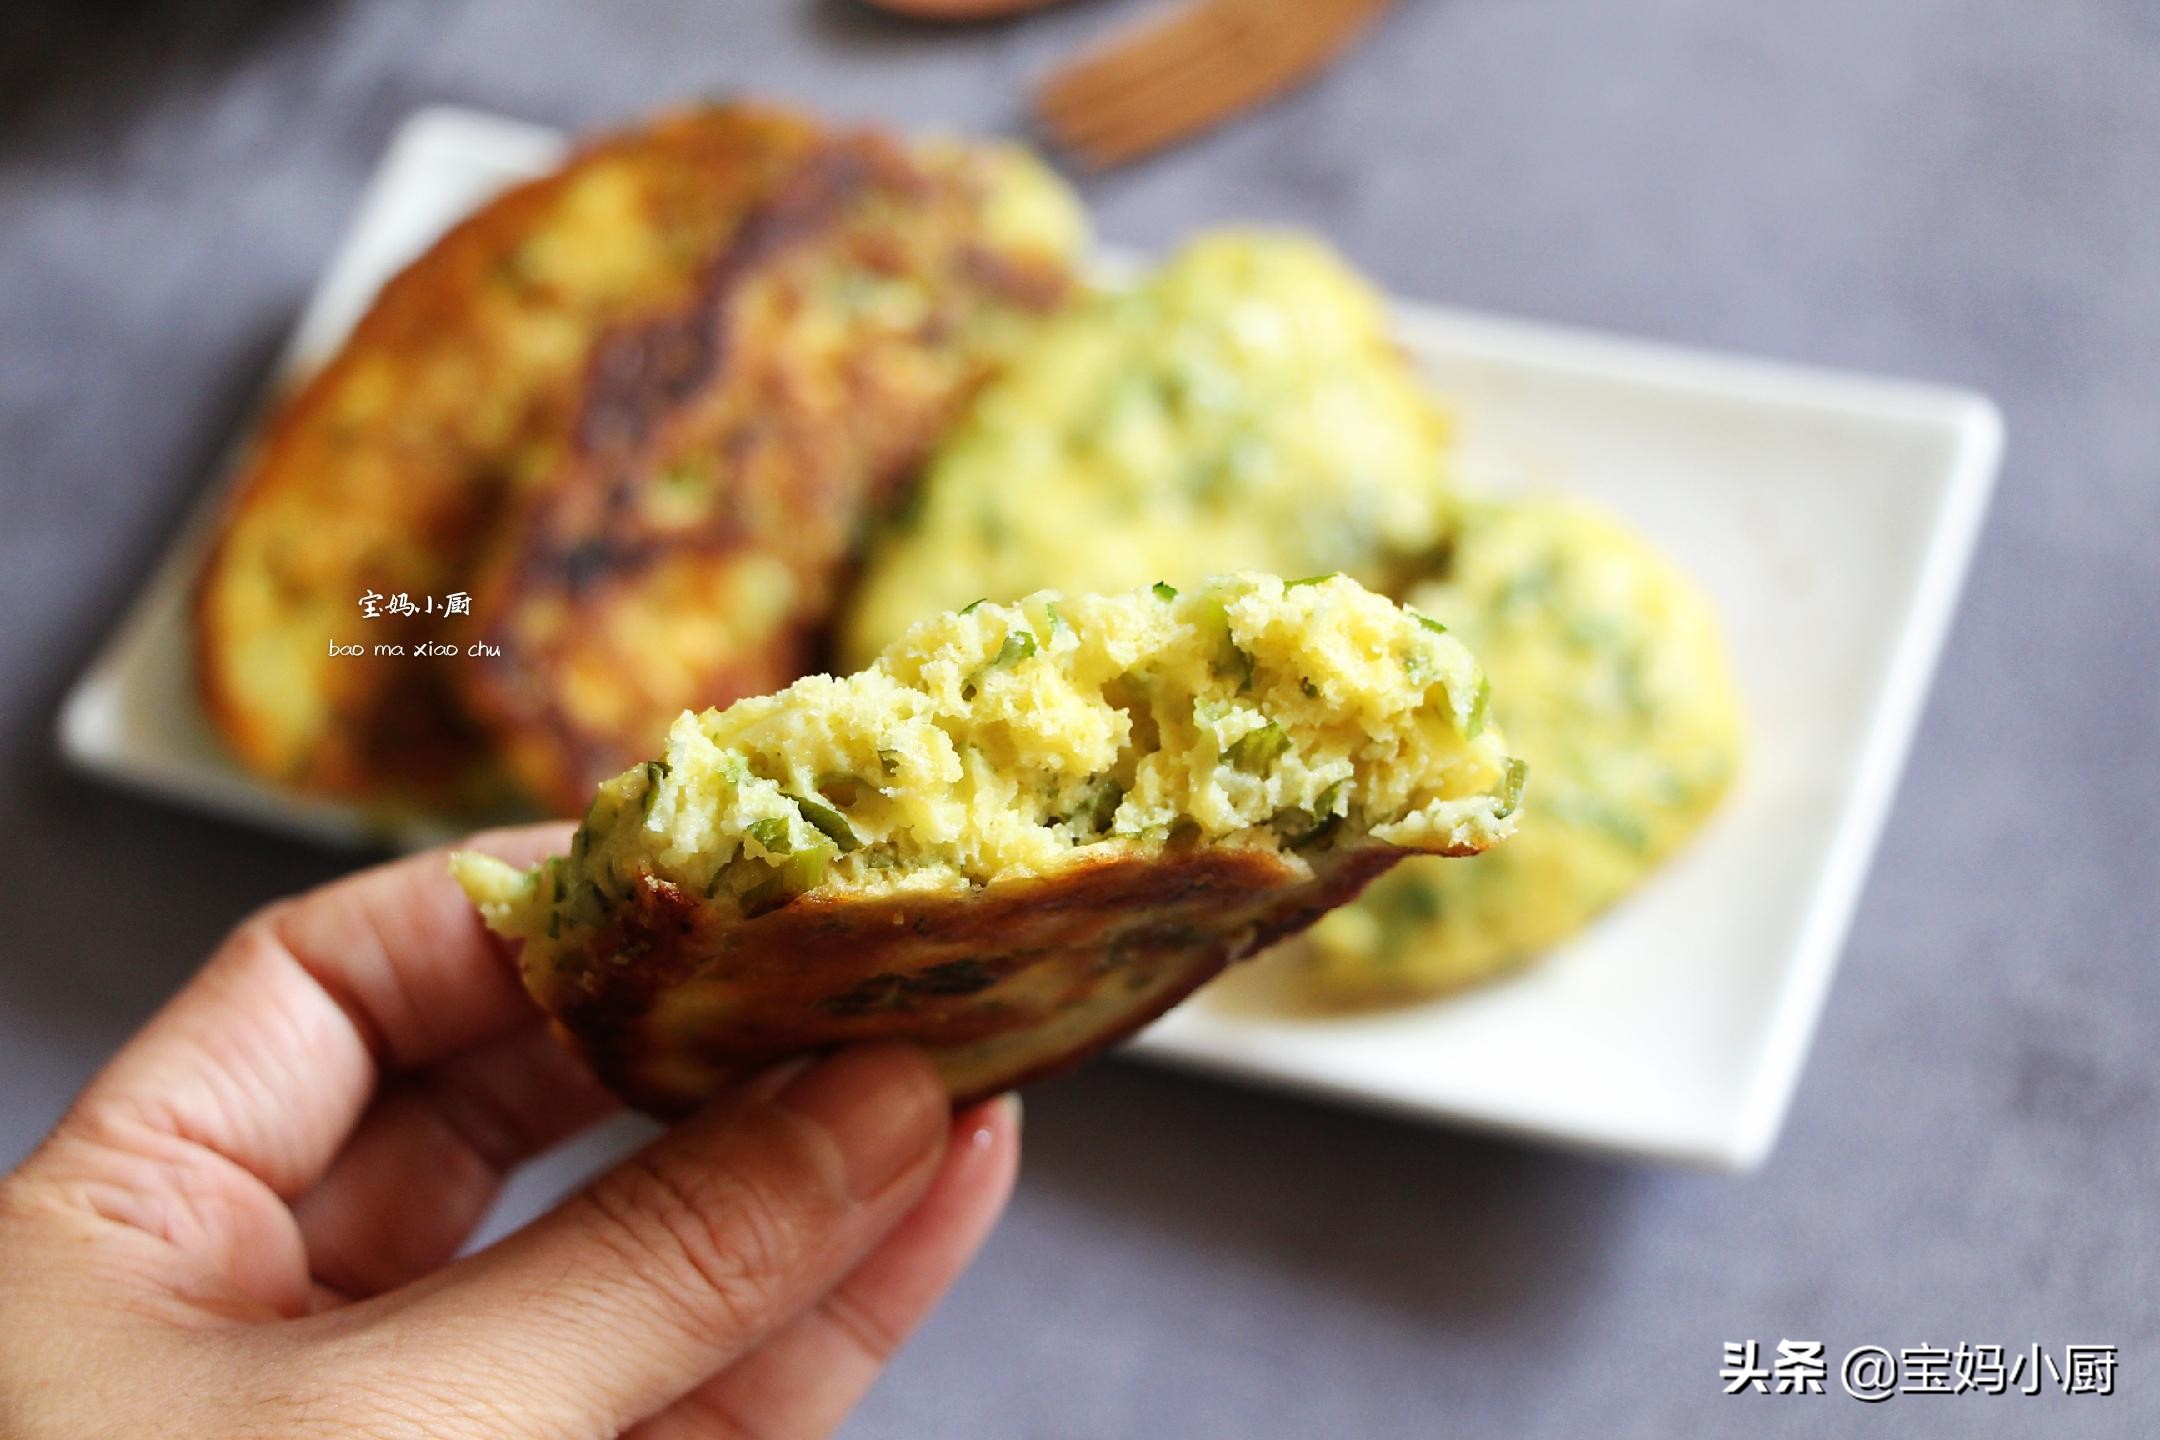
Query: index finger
point(270, 1053)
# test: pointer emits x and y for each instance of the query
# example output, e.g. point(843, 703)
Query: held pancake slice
point(1022, 833)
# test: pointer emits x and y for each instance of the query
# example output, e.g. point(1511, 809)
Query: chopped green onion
point(805, 869)
point(1018, 646)
point(828, 821)
point(1297, 827)
point(1511, 788)
point(1426, 620)
point(1253, 751)
point(969, 608)
point(1314, 580)
point(654, 769)
point(1239, 663)
point(1164, 591)
point(1474, 723)
point(1099, 806)
point(771, 834)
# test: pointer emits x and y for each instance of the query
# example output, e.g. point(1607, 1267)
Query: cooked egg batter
point(1240, 409)
point(1610, 676)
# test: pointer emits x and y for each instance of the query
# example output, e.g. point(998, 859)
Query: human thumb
point(682, 1258)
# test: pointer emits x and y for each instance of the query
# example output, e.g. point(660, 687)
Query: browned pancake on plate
point(634, 414)
point(729, 457)
point(388, 469)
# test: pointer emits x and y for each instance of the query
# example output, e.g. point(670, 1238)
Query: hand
point(248, 1224)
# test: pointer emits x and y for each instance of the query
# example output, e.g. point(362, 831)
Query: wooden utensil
point(1174, 77)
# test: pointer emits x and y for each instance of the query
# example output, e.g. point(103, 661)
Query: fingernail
point(883, 1107)
point(766, 1084)
point(975, 1130)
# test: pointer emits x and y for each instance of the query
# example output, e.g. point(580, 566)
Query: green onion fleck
point(654, 769)
point(1164, 591)
point(1312, 580)
point(828, 821)
point(1474, 722)
point(1511, 788)
point(1241, 665)
point(1018, 646)
point(771, 834)
point(804, 871)
point(1253, 751)
point(1099, 805)
point(969, 608)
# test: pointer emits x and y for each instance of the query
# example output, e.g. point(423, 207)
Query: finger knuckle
point(717, 1239)
point(871, 1334)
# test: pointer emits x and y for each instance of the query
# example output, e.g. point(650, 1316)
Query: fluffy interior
point(1006, 741)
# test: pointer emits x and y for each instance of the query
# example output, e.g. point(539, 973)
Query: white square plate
point(1830, 517)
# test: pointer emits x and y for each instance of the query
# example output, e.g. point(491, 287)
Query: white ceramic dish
point(1830, 516)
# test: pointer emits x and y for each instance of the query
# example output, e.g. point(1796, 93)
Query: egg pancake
point(729, 457)
point(385, 472)
point(1018, 835)
point(1240, 408)
point(1611, 679)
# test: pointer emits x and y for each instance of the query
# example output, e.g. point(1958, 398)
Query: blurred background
point(1962, 190)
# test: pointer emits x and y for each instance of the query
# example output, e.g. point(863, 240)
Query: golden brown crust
point(385, 470)
point(729, 456)
point(673, 1000)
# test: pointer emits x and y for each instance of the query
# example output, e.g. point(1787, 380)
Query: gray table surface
point(1956, 189)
